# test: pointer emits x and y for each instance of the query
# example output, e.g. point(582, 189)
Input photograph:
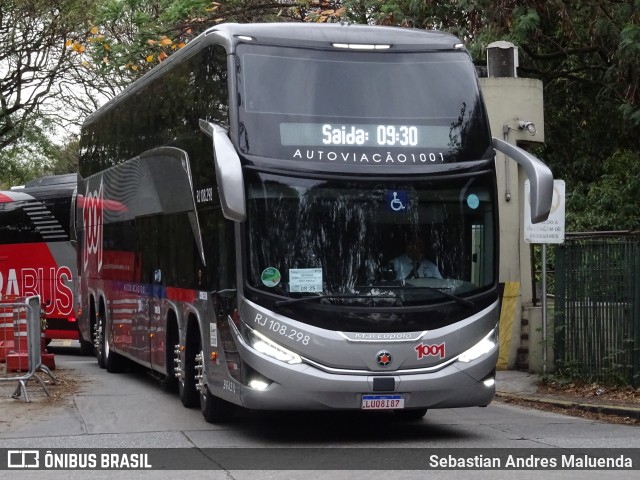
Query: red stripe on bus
point(107, 204)
point(181, 294)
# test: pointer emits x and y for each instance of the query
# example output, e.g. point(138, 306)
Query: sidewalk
point(513, 384)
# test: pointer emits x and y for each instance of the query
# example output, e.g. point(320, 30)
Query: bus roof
point(51, 186)
point(329, 33)
point(295, 34)
point(53, 180)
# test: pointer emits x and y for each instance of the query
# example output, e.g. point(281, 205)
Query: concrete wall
point(509, 101)
point(536, 343)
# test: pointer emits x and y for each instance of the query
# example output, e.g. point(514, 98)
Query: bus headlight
point(268, 347)
point(483, 346)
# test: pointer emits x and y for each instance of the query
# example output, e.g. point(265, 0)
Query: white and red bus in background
point(37, 256)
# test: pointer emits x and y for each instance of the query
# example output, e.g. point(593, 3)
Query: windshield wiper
point(281, 303)
point(461, 301)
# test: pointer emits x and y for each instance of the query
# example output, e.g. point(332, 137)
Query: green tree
point(129, 37)
point(610, 203)
point(33, 59)
point(587, 55)
point(35, 154)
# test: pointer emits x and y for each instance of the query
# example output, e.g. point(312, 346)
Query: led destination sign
point(350, 135)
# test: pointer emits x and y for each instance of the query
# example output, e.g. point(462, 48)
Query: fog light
point(258, 384)
point(489, 382)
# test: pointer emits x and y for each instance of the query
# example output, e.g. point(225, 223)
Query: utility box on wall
point(502, 59)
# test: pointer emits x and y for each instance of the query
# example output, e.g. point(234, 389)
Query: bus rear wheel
point(99, 342)
point(111, 361)
point(86, 348)
point(172, 357)
point(187, 383)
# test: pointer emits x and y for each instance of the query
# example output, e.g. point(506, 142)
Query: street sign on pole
point(551, 230)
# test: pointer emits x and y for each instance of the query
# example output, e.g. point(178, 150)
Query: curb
point(631, 412)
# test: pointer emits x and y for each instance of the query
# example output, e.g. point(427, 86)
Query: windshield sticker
point(270, 277)
point(473, 201)
point(305, 280)
point(397, 200)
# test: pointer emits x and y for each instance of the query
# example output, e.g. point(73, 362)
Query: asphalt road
point(131, 410)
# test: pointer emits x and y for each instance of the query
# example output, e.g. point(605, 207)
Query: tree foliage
point(586, 53)
point(129, 37)
point(609, 203)
point(35, 154)
point(33, 59)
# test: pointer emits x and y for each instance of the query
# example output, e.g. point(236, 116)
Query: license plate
point(382, 402)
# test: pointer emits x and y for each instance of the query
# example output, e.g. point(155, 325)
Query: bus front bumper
point(305, 387)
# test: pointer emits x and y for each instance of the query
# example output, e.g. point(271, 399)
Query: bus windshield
point(350, 241)
point(337, 105)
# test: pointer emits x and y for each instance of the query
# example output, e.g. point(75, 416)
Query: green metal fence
point(597, 302)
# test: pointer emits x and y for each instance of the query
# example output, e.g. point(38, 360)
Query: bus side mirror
point(540, 177)
point(228, 172)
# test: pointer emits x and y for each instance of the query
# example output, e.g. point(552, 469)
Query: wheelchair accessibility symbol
point(397, 200)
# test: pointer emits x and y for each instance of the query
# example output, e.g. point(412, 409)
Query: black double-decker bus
point(247, 212)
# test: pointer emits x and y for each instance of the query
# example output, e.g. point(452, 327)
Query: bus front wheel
point(214, 409)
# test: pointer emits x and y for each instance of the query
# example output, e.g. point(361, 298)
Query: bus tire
point(187, 386)
point(100, 343)
point(409, 415)
point(111, 361)
point(170, 382)
point(215, 409)
point(86, 348)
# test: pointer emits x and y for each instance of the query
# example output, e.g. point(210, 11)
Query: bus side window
point(16, 226)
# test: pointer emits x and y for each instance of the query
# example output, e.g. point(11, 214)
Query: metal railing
point(597, 308)
point(26, 343)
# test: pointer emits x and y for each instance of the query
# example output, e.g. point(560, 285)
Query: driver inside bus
point(414, 263)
